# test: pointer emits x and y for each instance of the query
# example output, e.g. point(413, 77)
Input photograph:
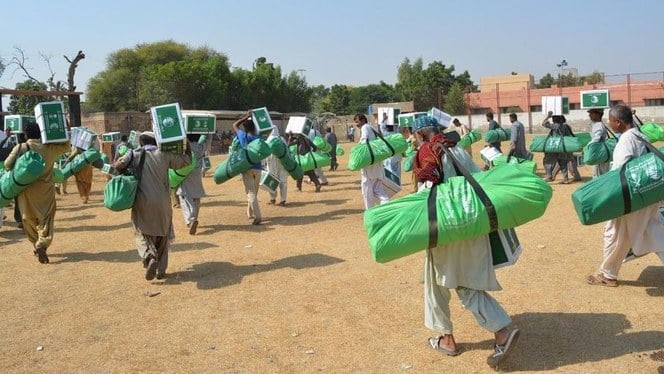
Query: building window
point(510, 109)
point(654, 102)
point(573, 106)
point(535, 108)
point(480, 110)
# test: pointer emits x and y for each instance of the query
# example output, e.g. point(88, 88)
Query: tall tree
point(546, 81)
point(25, 104)
point(455, 100)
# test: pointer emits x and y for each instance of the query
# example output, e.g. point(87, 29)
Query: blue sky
point(347, 42)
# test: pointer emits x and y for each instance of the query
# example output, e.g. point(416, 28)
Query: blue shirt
point(244, 139)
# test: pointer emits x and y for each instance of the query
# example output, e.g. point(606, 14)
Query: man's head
point(360, 119)
point(558, 119)
point(489, 116)
point(147, 138)
point(31, 130)
point(328, 130)
point(248, 126)
point(596, 114)
point(620, 118)
point(512, 117)
point(124, 138)
point(456, 122)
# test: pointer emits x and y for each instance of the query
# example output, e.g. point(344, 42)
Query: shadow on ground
point(128, 256)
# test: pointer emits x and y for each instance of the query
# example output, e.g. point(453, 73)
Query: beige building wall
point(507, 82)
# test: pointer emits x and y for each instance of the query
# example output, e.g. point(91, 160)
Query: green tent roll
point(241, 160)
point(409, 162)
point(401, 227)
point(525, 165)
point(375, 151)
point(598, 152)
point(555, 144)
point(58, 177)
point(470, 138)
point(312, 160)
point(27, 169)
point(604, 197)
point(340, 150)
point(498, 135)
point(584, 138)
point(286, 157)
point(175, 177)
point(74, 166)
point(322, 145)
point(120, 192)
point(653, 131)
point(99, 163)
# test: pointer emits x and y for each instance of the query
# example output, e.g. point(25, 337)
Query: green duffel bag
point(58, 177)
point(498, 135)
point(322, 145)
point(584, 138)
point(598, 152)
point(470, 138)
point(637, 184)
point(28, 168)
point(524, 165)
point(402, 226)
point(285, 157)
point(241, 160)
point(340, 150)
point(312, 160)
point(176, 177)
point(653, 131)
point(120, 191)
point(74, 166)
point(375, 151)
point(555, 144)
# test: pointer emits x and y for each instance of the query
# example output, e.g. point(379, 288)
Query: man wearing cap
point(598, 133)
point(463, 130)
point(152, 214)
point(465, 266)
point(372, 175)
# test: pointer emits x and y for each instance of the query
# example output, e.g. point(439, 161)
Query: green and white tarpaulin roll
point(654, 132)
point(99, 163)
point(58, 177)
point(598, 152)
point(74, 166)
point(375, 151)
point(555, 144)
point(638, 184)
point(176, 177)
point(322, 145)
point(498, 135)
point(340, 150)
point(312, 160)
point(285, 157)
point(524, 165)
point(402, 226)
point(241, 160)
point(27, 168)
point(470, 138)
point(409, 162)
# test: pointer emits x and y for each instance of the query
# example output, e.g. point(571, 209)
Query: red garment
point(427, 166)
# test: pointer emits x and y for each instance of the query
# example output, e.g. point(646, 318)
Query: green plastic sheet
point(286, 157)
point(654, 132)
point(74, 166)
point(360, 154)
point(602, 199)
point(598, 152)
point(584, 138)
point(28, 168)
point(176, 177)
point(340, 150)
point(470, 138)
point(401, 227)
point(524, 165)
point(497, 135)
point(312, 160)
point(120, 192)
point(322, 145)
point(554, 144)
point(241, 160)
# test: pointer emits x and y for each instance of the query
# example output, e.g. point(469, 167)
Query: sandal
point(434, 343)
point(501, 351)
point(601, 280)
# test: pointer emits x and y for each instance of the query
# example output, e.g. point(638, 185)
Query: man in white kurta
point(641, 231)
point(598, 134)
point(372, 175)
point(191, 189)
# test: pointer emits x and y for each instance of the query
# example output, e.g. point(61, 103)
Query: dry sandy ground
point(301, 294)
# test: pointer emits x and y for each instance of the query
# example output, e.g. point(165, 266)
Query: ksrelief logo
point(594, 99)
point(168, 122)
point(53, 122)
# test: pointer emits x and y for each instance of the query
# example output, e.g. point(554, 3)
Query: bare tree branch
point(73, 64)
point(51, 79)
point(19, 60)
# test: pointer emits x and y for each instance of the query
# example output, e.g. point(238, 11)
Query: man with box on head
point(598, 133)
point(37, 201)
point(191, 189)
point(331, 138)
point(465, 265)
point(557, 127)
point(493, 125)
point(275, 168)
point(83, 177)
point(313, 133)
point(641, 231)
point(304, 146)
point(372, 175)
point(152, 214)
point(246, 132)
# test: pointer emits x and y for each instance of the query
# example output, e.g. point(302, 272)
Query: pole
point(629, 90)
point(530, 113)
point(498, 101)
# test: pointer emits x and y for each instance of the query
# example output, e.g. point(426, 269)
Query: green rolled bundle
point(175, 177)
point(322, 145)
point(524, 165)
point(27, 169)
point(361, 154)
point(340, 150)
point(122, 150)
point(312, 160)
point(409, 162)
point(99, 163)
point(603, 198)
point(241, 160)
point(470, 138)
point(58, 177)
point(286, 157)
point(584, 138)
point(401, 227)
point(653, 131)
point(555, 144)
point(598, 152)
point(498, 135)
point(74, 166)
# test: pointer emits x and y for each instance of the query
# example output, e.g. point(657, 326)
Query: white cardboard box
point(392, 115)
point(391, 183)
point(559, 105)
point(51, 119)
point(298, 125)
point(167, 123)
point(269, 182)
point(505, 248)
point(408, 119)
point(204, 123)
point(488, 153)
point(443, 118)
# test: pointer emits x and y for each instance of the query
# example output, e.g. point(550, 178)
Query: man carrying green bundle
point(493, 125)
point(598, 134)
point(275, 168)
point(465, 265)
point(372, 175)
point(304, 145)
point(190, 191)
point(518, 139)
point(641, 231)
point(245, 132)
point(152, 214)
point(463, 130)
point(37, 201)
point(557, 127)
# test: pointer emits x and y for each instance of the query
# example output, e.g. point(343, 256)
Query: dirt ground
point(301, 294)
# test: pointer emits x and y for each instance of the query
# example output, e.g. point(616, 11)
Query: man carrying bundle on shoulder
point(465, 266)
point(372, 175)
point(246, 132)
point(557, 127)
point(598, 133)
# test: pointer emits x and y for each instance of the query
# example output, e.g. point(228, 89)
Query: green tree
point(455, 100)
point(26, 104)
point(363, 96)
point(546, 81)
point(594, 78)
point(337, 101)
